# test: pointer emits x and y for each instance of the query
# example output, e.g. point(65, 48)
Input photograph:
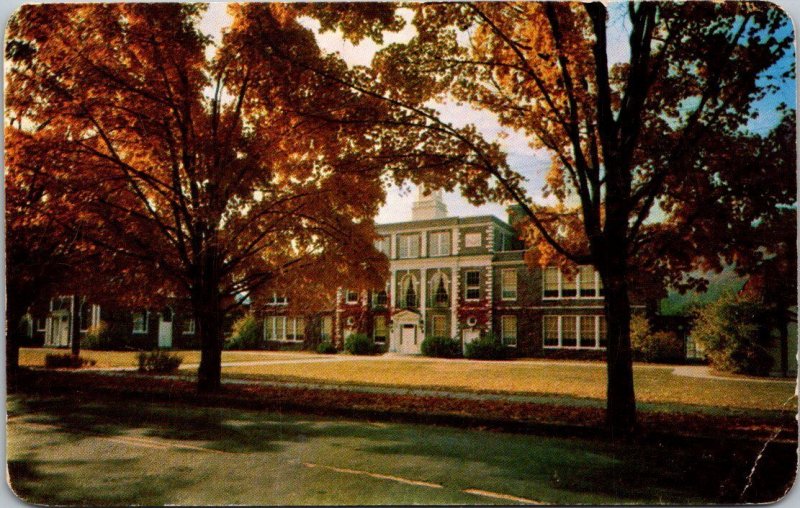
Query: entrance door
point(59, 329)
point(409, 340)
point(468, 335)
point(165, 328)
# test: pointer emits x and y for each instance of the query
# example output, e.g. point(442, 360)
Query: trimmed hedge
point(158, 362)
point(246, 334)
point(361, 344)
point(486, 348)
point(326, 348)
point(441, 347)
point(66, 361)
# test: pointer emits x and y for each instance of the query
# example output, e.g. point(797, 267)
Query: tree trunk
point(621, 401)
point(207, 308)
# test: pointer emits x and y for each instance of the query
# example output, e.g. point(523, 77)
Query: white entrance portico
point(406, 334)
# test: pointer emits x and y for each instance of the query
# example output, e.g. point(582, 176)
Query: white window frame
point(467, 286)
point(434, 287)
point(43, 322)
point(189, 330)
point(401, 302)
point(278, 301)
point(286, 320)
point(503, 273)
point(146, 328)
point(503, 321)
point(439, 244)
point(469, 239)
point(560, 276)
point(347, 299)
point(578, 319)
point(404, 242)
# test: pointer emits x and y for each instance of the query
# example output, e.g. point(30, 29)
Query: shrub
point(731, 333)
point(486, 348)
point(246, 334)
point(66, 361)
point(326, 348)
point(158, 362)
point(98, 338)
point(652, 346)
point(441, 347)
point(360, 344)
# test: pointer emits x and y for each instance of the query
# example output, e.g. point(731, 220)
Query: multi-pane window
point(440, 326)
point(583, 283)
point(277, 300)
point(383, 244)
point(550, 331)
point(325, 328)
point(439, 244)
point(569, 332)
point(440, 297)
point(351, 296)
point(380, 331)
point(586, 280)
point(472, 240)
point(508, 284)
point(472, 287)
point(586, 332)
point(408, 292)
point(140, 322)
point(283, 328)
point(408, 246)
point(551, 276)
point(509, 330)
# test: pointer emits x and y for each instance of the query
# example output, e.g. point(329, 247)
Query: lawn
point(97, 451)
point(654, 384)
point(34, 357)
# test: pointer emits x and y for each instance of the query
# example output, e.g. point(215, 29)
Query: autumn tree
point(628, 138)
point(202, 177)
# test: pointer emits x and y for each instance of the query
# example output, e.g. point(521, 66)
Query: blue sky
point(532, 164)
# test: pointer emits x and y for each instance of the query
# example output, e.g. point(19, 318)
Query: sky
point(529, 162)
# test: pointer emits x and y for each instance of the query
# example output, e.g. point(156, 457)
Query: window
point(408, 246)
point(380, 298)
point(585, 332)
point(439, 244)
point(188, 326)
point(282, 328)
point(381, 331)
point(351, 296)
point(569, 286)
point(472, 289)
point(277, 300)
point(41, 324)
point(551, 282)
point(408, 291)
point(508, 284)
point(472, 240)
point(569, 331)
point(140, 320)
point(383, 244)
point(550, 331)
point(584, 283)
point(325, 328)
point(586, 279)
point(588, 329)
point(509, 330)
point(439, 294)
point(440, 326)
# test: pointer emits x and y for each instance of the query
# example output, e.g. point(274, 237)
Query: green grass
point(70, 450)
point(653, 384)
point(34, 357)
